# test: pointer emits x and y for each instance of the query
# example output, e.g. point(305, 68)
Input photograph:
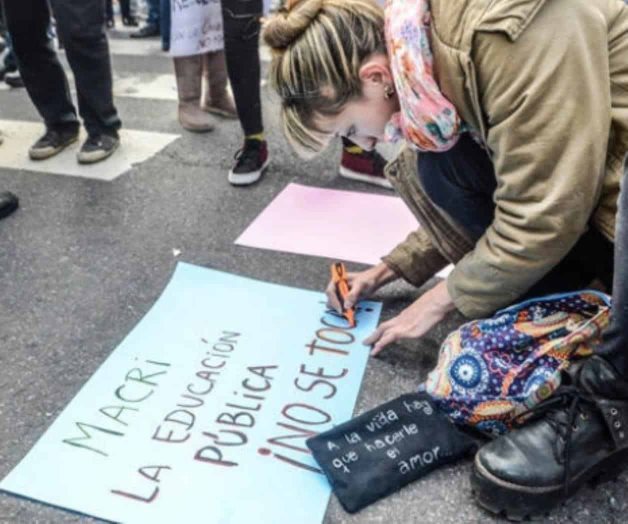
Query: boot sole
point(518, 503)
point(44, 154)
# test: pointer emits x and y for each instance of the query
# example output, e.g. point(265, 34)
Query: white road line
point(136, 147)
point(157, 87)
point(144, 86)
point(136, 47)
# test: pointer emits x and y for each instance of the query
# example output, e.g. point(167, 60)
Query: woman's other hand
point(414, 321)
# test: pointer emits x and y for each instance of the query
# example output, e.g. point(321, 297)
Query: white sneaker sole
point(97, 156)
point(247, 179)
point(48, 152)
point(361, 177)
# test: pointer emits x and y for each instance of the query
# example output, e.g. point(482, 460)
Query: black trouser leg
point(241, 25)
point(125, 8)
point(462, 182)
point(615, 344)
point(44, 79)
point(109, 9)
point(82, 30)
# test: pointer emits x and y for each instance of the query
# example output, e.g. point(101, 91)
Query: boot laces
point(561, 412)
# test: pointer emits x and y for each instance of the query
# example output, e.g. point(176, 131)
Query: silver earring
point(389, 91)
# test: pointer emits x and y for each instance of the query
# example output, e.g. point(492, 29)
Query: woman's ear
point(376, 69)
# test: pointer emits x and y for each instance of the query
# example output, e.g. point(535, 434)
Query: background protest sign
point(202, 412)
point(195, 27)
point(365, 226)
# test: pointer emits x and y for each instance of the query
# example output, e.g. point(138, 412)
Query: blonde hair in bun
point(281, 30)
point(318, 47)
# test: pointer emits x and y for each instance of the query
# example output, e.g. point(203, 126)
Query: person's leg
point(153, 22)
point(109, 13)
point(579, 434)
point(81, 27)
point(9, 62)
point(165, 19)
point(43, 75)
point(80, 24)
point(241, 25)
point(154, 11)
point(9, 71)
point(189, 75)
point(125, 11)
point(462, 181)
point(217, 99)
point(615, 343)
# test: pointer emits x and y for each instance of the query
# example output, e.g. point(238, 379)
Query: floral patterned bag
point(490, 371)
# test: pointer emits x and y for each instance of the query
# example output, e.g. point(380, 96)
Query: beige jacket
point(545, 83)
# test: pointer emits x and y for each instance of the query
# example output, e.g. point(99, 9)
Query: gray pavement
point(83, 260)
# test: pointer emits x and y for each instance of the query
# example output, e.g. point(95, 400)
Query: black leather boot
point(577, 436)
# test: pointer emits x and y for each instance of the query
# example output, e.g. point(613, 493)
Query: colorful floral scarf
point(427, 120)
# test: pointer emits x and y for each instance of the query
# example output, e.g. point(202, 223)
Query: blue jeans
point(462, 182)
point(154, 13)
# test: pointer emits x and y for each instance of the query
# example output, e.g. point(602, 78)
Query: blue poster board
point(201, 414)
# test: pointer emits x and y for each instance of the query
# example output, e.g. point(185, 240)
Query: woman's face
point(363, 121)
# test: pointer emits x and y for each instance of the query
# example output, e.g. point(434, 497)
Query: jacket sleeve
point(546, 101)
point(416, 259)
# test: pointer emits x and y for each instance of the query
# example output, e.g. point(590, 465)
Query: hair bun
point(288, 25)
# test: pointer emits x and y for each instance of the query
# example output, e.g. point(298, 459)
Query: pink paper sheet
point(343, 225)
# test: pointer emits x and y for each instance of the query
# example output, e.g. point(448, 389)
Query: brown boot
point(188, 70)
point(217, 99)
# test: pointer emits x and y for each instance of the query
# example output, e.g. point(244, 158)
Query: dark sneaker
point(251, 161)
point(367, 167)
point(54, 141)
point(129, 21)
point(97, 148)
point(8, 203)
point(577, 436)
point(14, 79)
point(146, 32)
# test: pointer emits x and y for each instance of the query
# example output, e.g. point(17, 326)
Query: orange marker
point(339, 278)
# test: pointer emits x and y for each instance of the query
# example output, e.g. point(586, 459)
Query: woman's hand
point(361, 285)
point(414, 321)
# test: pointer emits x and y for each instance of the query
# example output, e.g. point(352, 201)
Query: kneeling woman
point(521, 136)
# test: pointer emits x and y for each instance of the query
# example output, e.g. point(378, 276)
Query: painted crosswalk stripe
point(136, 47)
point(136, 146)
point(146, 86)
point(157, 87)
